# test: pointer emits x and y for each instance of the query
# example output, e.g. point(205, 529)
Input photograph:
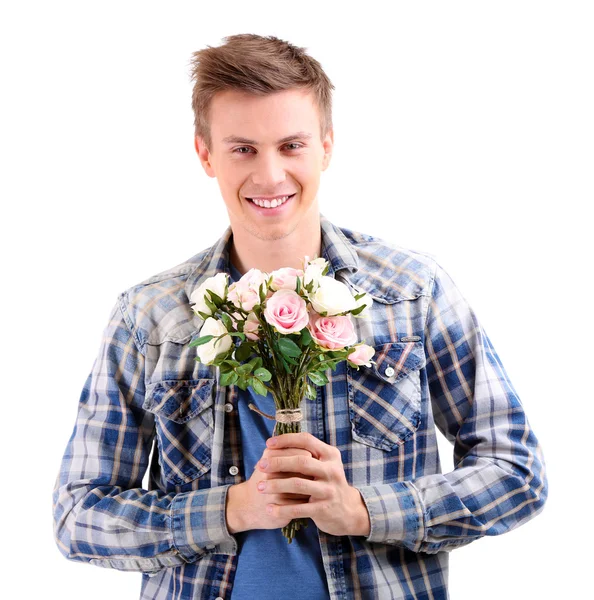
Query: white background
point(463, 129)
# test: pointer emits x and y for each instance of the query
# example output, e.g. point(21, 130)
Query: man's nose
point(269, 171)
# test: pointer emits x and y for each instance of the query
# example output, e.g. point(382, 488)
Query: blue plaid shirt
point(435, 366)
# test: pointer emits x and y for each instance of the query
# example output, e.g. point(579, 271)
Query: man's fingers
point(294, 485)
point(305, 441)
point(268, 452)
point(305, 465)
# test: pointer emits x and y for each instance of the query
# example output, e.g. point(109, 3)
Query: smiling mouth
point(270, 203)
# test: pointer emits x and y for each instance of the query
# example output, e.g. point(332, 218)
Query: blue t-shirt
point(267, 564)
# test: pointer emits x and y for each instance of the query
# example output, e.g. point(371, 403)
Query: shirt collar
point(336, 249)
point(215, 260)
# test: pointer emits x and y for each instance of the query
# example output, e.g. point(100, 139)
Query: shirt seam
point(130, 324)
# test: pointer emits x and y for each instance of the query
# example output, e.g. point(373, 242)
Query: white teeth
point(268, 204)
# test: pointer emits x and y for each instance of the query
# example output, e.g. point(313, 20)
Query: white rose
point(332, 297)
point(208, 352)
point(367, 301)
point(313, 272)
point(216, 284)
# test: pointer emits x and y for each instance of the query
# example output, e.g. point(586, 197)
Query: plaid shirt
point(435, 365)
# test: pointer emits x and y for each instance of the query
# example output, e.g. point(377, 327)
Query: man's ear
point(204, 155)
point(328, 144)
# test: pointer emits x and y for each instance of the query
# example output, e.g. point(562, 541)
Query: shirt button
point(228, 407)
point(219, 598)
point(233, 470)
point(389, 372)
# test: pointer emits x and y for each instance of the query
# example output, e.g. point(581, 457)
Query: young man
point(366, 470)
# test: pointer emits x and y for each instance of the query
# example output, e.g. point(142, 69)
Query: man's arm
point(499, 479)
point(101, 513)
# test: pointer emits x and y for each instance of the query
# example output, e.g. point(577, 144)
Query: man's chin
point(277, 231)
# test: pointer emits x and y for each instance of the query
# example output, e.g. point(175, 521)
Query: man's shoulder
point(388, 270)
point(157, 308)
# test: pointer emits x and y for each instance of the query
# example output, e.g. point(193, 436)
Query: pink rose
point(332, 333)
point(251, 327)
point(361, 355)
point(245, 293)
point(285, 278)
point(286, 311)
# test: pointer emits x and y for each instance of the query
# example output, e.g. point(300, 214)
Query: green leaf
point(216, 299)
point(243, 352)
point(359, 309)
point(262, 292)
point(288, 347)
point(242, 383)
point(298, 286)
point(258, 387)
point(201, 340)
point(203, 316)
point(328, 364)
point(241, 336)
point(318, 377)
point(244, 369)
point(210, 305)
point(227, 322)
point(359, 296)
point(285, 364)
point(231, 362)
point(310, 392)
point(263, 374)
point(305, 336)
point(228, 378)
point(289, 360)
point(254, 362)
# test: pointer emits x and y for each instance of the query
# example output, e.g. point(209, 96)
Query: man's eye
point(240, 150)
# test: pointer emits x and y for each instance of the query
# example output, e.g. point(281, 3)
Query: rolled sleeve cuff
point(199, 524)
point(395, 513)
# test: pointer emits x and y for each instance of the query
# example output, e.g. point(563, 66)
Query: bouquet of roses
point(279, 332)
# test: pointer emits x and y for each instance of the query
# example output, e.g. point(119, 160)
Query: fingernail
point(264, 463)
point(261, 485)
point(272, 441)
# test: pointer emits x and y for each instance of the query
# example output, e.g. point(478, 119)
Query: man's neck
point(249, 252)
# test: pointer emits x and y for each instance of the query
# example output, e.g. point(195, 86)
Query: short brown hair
point(257, 65)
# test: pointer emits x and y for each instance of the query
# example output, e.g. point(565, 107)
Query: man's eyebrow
point(300, 135)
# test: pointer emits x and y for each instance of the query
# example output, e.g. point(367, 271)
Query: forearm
point(138, 530)
point(441, 512)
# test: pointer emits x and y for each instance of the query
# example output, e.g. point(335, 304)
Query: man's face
point(266, 147)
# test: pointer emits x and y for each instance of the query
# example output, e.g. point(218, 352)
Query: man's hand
point(246, 506)
point(335, 507)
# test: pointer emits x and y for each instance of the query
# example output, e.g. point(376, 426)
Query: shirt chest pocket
point(385, 399)
point(184, 426)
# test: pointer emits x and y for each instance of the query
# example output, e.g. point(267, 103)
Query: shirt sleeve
point(101, 513)
point(499, 479)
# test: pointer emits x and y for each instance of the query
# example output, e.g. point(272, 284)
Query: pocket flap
point(179, 400)
point(396, 360)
